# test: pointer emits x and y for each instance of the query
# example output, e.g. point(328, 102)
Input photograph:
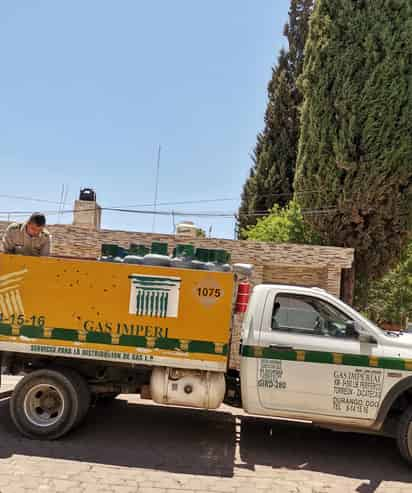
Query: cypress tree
point(271, 179)
point(247, 204)
point(355, 147)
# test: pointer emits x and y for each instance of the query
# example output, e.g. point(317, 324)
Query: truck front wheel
point(404, 435)
point(46, 404)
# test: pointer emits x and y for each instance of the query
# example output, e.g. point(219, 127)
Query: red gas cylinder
point(242, 298)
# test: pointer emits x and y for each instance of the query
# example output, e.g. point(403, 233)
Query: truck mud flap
point(233, 395)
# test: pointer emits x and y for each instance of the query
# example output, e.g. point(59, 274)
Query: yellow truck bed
point(115, 312)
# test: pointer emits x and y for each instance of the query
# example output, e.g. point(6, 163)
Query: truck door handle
point(280, 348)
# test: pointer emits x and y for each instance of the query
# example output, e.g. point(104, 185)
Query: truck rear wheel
point(404, 435)
point(46, 404)
point(83, 392)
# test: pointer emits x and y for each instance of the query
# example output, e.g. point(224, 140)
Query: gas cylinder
point(242, 298)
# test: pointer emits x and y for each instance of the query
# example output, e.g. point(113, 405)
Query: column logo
point(10, 299)
point(154, 296)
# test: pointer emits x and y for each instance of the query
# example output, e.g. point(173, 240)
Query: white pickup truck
point(307, 355)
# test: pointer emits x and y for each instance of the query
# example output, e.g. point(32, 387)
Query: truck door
point(310, 360)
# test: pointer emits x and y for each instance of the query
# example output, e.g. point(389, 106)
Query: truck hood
point(402, 343)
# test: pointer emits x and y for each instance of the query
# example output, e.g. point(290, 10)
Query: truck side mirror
point(364, 335)
point(367, 338)
point(356, 330)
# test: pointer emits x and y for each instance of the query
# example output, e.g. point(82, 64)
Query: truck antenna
point(156, 189)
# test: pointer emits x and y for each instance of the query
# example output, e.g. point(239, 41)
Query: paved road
point(135, 446)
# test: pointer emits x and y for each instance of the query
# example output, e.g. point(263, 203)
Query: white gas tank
point(194, 388)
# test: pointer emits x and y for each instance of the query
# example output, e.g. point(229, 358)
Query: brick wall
point(311, 275)
point(284, 263)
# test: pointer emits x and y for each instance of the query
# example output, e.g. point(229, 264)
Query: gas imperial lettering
point(121, 328)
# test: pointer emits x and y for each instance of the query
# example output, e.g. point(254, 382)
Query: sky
point(90, 90)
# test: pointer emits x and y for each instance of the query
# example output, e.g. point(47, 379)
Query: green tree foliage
point(200, 233)
point(355, 145)
point(248, 203)
point(390, 299)
point(283, 225)
point(271, 178)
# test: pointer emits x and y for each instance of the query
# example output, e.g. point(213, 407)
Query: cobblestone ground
point(134, 446)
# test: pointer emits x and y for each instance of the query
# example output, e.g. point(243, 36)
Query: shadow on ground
point(137, 435)
point(204, 442)
point(296, 446)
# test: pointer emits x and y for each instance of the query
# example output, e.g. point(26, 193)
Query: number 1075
point(211, 292)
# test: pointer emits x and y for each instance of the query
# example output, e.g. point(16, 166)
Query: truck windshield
point(364, 319)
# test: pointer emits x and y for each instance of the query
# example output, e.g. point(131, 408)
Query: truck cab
point(307, 355)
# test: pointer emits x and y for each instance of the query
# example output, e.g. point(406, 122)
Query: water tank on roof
point(186, 228)
point(88, 194)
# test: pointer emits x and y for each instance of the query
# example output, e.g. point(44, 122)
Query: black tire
point(83, 392)
point(45, 404)
point(404, 435)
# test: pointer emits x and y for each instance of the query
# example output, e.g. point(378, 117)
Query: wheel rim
point(43, 405)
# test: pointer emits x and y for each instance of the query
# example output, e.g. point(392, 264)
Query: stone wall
point(306, 265)
point(303, 275)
